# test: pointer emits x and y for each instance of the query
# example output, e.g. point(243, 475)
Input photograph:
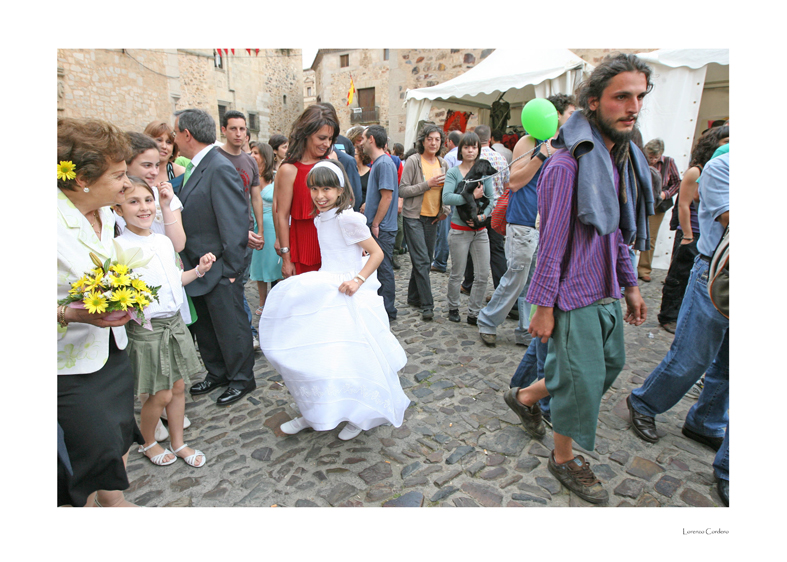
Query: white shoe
point(186, 420)
point(255, 342)
point(161, 433)
point(349, 432)
point(294, 426)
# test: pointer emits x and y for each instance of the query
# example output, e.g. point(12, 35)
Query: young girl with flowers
point(162, 356)
point(327, 332)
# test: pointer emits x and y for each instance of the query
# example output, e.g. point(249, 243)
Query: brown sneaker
point(530, 415)
point(577, 477)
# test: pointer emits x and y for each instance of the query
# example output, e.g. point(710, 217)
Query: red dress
point(304, 246)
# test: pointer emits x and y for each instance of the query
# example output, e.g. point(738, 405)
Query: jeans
point(531, 368)
point(497, 260)
point(721, 464)
point(677, 277)
point(420, 234)
point(520, 332)
point(385, 273)
point(399, 234)
point(701, 345)
point(520, 247)
point(476, 242)
point(441, 246)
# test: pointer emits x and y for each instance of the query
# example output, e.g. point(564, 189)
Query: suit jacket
point(215, 219)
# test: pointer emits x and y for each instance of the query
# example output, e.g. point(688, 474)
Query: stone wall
point(130, 87)
point(595, 56)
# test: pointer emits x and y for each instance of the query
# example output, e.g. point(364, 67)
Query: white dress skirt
point(336, 353)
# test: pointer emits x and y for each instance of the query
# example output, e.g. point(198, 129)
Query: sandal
point(158, 459)
point(258, 312)
point(191, 460)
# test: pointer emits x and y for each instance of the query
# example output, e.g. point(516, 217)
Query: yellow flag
point(351, 92)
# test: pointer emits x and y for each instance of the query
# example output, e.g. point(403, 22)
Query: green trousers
point(586, 354)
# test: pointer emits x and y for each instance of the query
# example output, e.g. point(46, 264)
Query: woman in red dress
point(311, 140)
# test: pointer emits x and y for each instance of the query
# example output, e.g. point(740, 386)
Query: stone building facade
point(132, 87)
point(384, 75)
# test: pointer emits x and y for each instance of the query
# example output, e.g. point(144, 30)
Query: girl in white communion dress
point(327, 332)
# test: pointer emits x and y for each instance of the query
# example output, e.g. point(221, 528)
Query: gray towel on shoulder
point(599, 203)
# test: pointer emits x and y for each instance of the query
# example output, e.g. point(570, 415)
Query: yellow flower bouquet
point(114, 287)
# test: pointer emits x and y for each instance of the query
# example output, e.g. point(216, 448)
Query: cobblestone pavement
point(460, 445)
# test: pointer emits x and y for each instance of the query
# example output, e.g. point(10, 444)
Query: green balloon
point(539, 118)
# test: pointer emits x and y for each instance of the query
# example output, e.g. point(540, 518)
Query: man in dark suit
point(215, 218)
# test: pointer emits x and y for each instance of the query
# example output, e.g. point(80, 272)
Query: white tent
point(690, 87)
point(522, 74)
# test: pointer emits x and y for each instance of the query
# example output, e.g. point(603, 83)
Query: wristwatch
point(541, 156)
point(284, 250)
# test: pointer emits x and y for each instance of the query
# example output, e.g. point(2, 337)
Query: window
point(216, 59)
point(254, 122)
point(222, 111)
point(308, 92)
point(284, 99)
point(386, 54)
point(344, 60)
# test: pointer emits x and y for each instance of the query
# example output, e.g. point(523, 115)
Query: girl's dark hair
point(398, 150)
point(314, 118)
point(140, 142)
point(268, 160)
point(707, 145)
point(425, 132)
point(468, 139)
point(91, 145)
point(324, 177)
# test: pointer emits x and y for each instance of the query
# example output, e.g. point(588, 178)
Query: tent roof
point(693, 58)
point(503, 70)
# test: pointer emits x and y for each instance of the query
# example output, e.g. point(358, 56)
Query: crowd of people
point(316, 219)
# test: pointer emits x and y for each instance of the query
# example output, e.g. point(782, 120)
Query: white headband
point(333, 167)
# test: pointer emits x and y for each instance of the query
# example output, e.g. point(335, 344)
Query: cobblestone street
point(460, 445)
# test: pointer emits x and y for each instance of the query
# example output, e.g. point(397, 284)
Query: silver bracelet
point(196, 270)
point(361, 277)
point(170, 223)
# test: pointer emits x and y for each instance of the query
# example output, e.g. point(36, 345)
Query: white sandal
point(191, 460)
point(158, 459)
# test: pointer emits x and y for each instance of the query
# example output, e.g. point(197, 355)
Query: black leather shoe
point(453, 315)
point(232, 395)
point(723, 486)
point(472, 320)
point(206, 386)
point(712, 442)
point(644, 426)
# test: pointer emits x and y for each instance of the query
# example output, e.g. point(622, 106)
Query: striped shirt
point(576, 266)
point(498, 161)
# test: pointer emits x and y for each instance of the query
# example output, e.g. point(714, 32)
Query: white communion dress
point(336, 353)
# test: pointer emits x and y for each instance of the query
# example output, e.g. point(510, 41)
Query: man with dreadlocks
point(591, 208)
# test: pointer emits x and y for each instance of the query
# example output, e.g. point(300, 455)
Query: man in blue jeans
point(701, 343)
point(382, 196)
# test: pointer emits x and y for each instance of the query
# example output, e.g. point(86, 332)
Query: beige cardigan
point(413, 186)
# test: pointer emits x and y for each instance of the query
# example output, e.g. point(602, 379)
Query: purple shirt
point(575, 266)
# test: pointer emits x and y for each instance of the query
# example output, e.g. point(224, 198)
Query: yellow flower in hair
point(124, 297)
point(95, 303)
point(66, 170)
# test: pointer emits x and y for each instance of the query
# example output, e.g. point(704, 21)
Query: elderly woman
point(421, 190)
point(467, 237)
point(311, 140)
point(662, 194)
point(95, 384)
